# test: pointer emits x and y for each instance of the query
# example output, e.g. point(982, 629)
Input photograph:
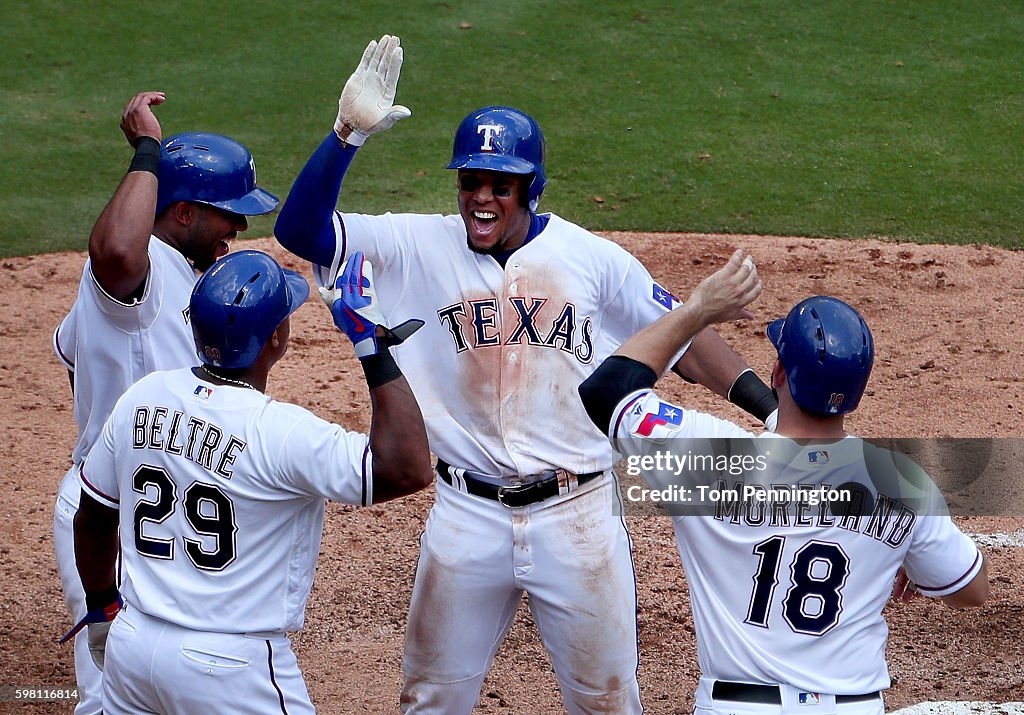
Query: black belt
point(515, 495)
point(769, 694)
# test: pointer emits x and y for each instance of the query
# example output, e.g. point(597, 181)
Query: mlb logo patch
point(663, 298)
point(203, 392)
point(819, 457)
point(809, 698)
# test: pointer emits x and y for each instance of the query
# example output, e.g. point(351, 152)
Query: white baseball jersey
point(221, 494)
point(496, 367)
point(794, 594)
point(110, 344)
point(65, 338)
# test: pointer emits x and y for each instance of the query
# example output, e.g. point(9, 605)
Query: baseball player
point(788, 591)
point(217, 492)
point(131, 313)
point(522, 306)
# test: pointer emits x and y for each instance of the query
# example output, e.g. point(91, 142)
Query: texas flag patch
point(663, 298)
point(667, 414)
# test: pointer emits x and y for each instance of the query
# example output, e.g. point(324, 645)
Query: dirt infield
point(949, 332)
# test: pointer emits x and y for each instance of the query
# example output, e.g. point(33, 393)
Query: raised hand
point(367, 103)
point(138, 119)
point(725, 294)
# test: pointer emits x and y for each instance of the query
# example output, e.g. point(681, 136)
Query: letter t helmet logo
point(489, 131)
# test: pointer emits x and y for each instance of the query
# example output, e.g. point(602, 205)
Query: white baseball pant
point(571, 554)
point(153, 666)
point(87, 675)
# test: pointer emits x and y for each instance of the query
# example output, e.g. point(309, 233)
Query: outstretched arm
point(366, 107)
point(304, 224)
point(712, 363)
point(398, 438)
point(637, 363)
point(720, 297)
point(119, 243)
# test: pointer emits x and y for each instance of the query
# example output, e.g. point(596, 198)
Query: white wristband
point(349, 135)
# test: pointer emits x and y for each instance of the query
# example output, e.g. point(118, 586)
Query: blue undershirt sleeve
point(304, 225)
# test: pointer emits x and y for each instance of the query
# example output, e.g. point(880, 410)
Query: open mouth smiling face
point(493, 208)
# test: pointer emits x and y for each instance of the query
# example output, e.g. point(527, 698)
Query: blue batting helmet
point(502, 139)
point(210, 169)
point(827, 351)
point(238, 303)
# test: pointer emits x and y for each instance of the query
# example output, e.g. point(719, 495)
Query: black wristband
point(752, 395)
point(380, 369)
point(101, 599)
point(147, 156)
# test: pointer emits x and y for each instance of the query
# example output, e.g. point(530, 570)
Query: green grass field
point(876, 118)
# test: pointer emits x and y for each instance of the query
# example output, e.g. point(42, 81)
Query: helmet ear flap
point(524, 192)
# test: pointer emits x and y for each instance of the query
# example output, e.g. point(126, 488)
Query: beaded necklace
point(239, 383)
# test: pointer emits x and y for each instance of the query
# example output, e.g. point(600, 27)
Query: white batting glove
point(98, 642)
point(367, 103)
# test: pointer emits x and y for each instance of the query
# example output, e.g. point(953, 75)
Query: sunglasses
point(501, 186)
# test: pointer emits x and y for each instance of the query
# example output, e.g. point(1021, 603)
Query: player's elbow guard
point(614, 379)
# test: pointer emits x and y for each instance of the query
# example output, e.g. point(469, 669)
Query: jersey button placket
point(522, 553)
point(508, 381)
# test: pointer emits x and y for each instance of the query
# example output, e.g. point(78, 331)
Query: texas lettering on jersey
point(476, 324)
